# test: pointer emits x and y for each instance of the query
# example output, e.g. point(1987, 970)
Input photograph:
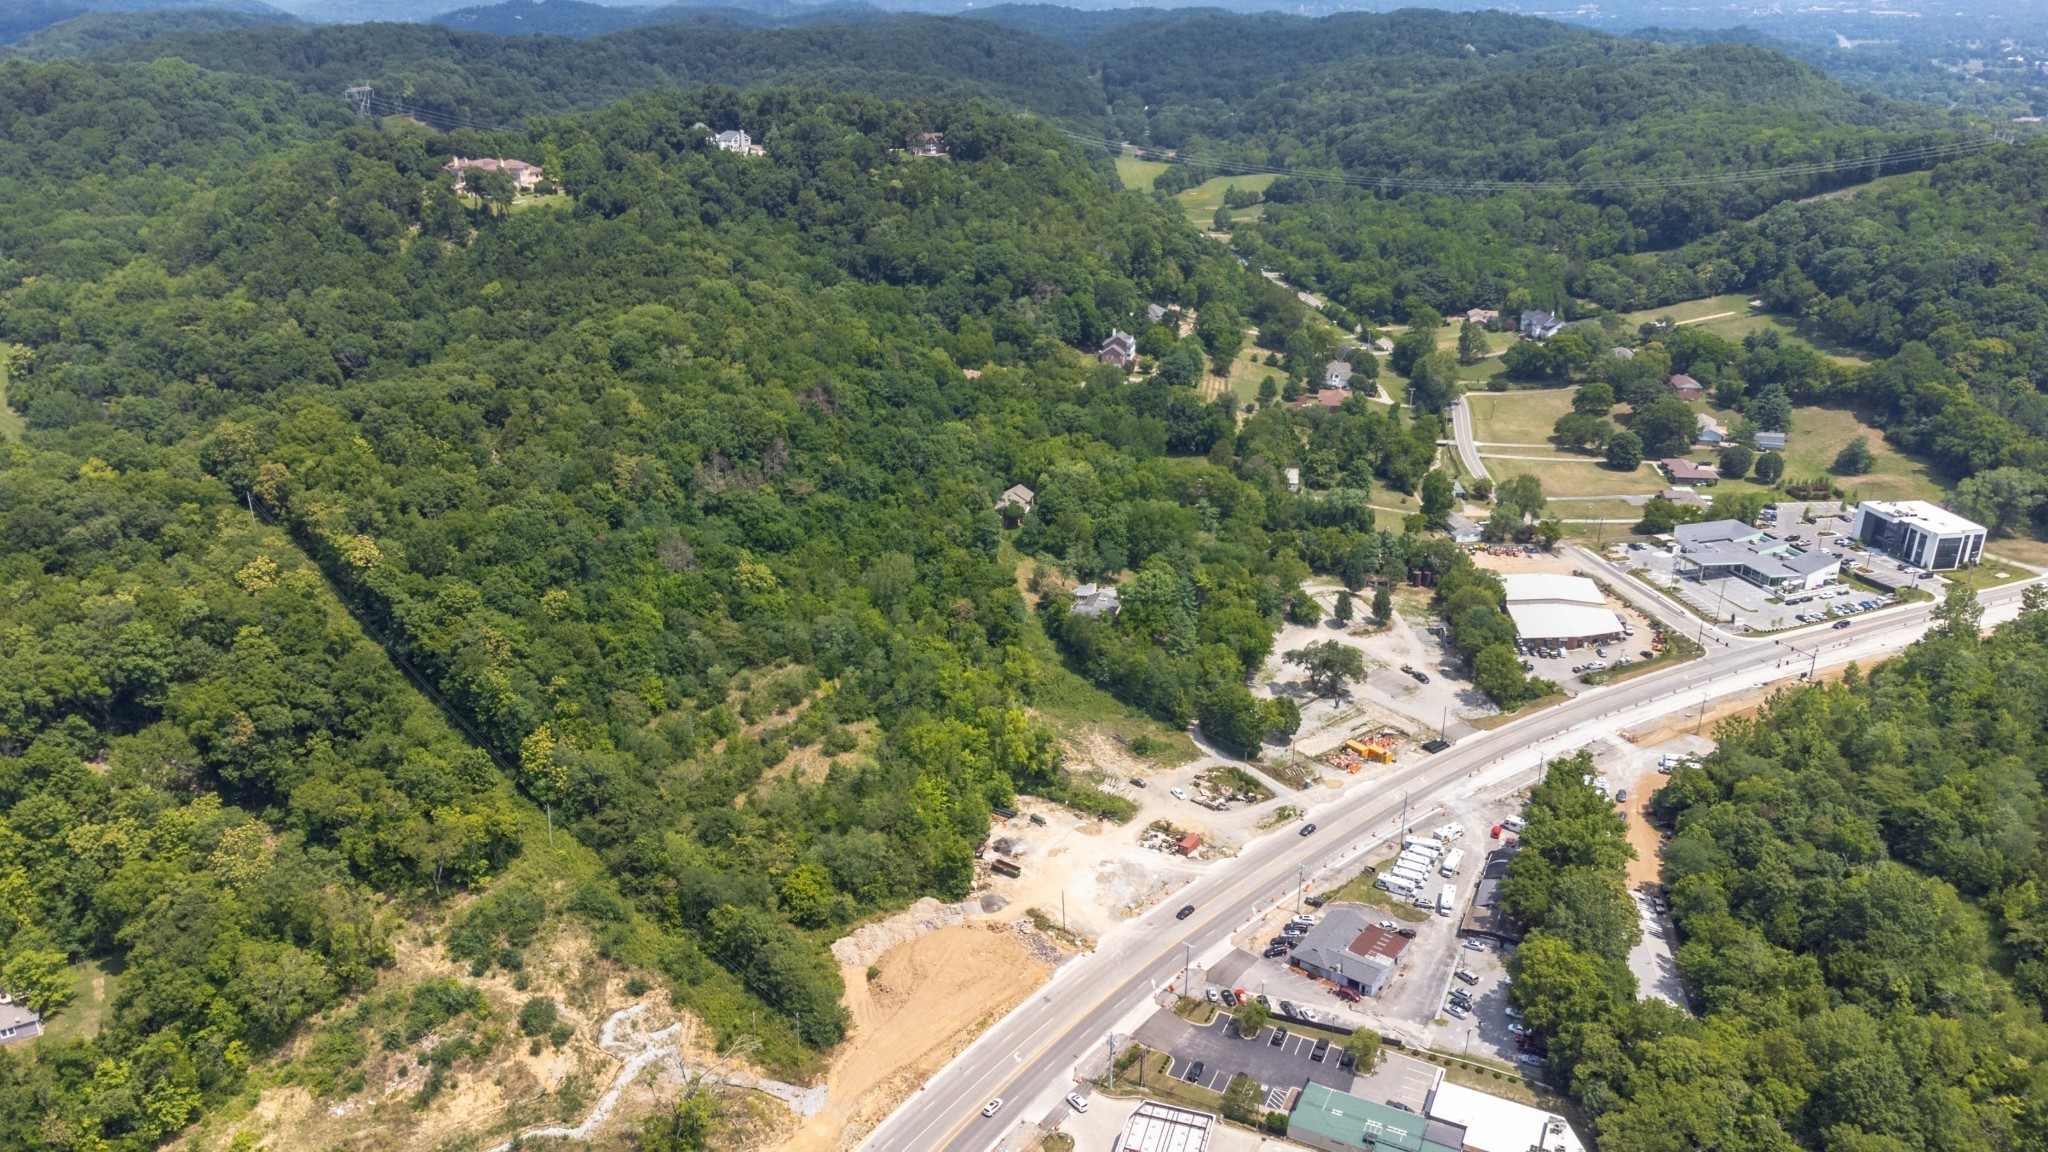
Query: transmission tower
point(359, 96)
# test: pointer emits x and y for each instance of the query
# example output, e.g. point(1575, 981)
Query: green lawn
point(1138, 174)
point(1245, 373)
point(11, 423)
point(1360, 891)
point(1517, 417)
point(1732, 318)
point(92, 989)
point(1818, 435)
point(1205, 198)
point(1567, 475)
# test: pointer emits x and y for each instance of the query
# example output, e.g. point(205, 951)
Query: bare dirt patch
point(930, 998)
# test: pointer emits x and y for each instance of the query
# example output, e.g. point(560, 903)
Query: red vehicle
point(1347, 994)
point(1496, 832)
point(1243, 997)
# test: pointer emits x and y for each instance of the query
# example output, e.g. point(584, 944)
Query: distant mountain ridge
point(22, 18)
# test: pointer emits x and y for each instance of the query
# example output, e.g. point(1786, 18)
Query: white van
point(1513, 823)
point(1450, 832)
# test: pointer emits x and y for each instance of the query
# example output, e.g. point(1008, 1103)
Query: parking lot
point(1745, 607)
point(1402, 1081)
point(1222, 1054)
point(1485, 1030)
point(1655, 968)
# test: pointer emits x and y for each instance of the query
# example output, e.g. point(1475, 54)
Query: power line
point(1917, 154)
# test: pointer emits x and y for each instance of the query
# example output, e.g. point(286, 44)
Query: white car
point(1518, 1029)
point(992, 1107)
point(1180, 794)
point(1076, 1102)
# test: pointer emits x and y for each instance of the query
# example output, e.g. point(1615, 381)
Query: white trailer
point(1412, 877)
point(1429, 844)
point(1446, 900)
point(1452, 862)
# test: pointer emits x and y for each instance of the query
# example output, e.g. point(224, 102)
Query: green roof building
point(1333, 1120)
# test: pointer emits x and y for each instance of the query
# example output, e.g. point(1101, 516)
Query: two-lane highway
point(1028, 1058)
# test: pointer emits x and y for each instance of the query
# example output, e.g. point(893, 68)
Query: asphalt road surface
point(1030, 1056)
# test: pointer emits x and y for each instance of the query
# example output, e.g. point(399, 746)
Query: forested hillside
point(1855, 877)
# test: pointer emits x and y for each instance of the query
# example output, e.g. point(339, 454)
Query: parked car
point(1436, 745)
point(1278, 1038)
point(1322, 1050)
point(1308, 829)
point(1464, 976)
point(1287, 1008)
point(1408, 932)
point(1229, 998)
point(1348, 996)
point(1275, 951)
point(1215, 994)
point(1531, 1059)
point(1517, 1028)
point(1476, 945)
point(1137, 783)
point(1421, 677)
point(1454, 1010)
point(1077, 1102)
point(1180, 793)
point(1186, 911)
point(1346, 1060)
point(1195, 1072)
point(1314, 901)
point(992, 1107)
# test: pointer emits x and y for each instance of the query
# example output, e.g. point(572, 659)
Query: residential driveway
point(1289, 1064)
point(1651, 960)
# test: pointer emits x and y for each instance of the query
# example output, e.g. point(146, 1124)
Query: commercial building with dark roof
point(1350, 950)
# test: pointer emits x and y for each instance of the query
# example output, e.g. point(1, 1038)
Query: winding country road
point(1033, 1056)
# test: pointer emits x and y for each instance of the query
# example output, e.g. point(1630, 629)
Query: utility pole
point(1187, 963)
point(1404, 811)
point(359, 99)
point(1300, 882)
point(1702, 722)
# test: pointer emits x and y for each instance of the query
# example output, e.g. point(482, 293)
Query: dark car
point(1346, 1061)
point(1843, 623)
point(1279, 1037)
point(1194, 1071)
point(1308, 829)
point(1436, 745)
point(1229, 998)
point(1421, 677)
point(1186, 911)
point(1314, 901)
point(1287, 1008)
point(1137, 783)
point(1275, 952)
point(1322, 1050)
point(1408, 932)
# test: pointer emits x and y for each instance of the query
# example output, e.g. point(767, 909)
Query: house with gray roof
point(1350, 950)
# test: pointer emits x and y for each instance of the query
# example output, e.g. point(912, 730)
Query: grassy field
point(1579, 475)
point(1245, 373)
point(11, 423)
point(1138, 174)
point(92, 989)
point(1205, 198)
point(1517, 417)
point(1147, 1075)
point(1731, 318)
point(1819, 434)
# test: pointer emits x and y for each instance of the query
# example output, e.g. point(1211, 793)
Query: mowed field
point(1138, 174)
point(1819, 434)
point(11, 423)
point(1205, 198)
point(1522, 418)
point(1731, 318)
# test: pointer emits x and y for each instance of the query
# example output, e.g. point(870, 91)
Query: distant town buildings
point(1687, 472)
point(1555, 609)
point(1350, 950)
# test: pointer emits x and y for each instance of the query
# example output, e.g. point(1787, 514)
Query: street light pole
point(1300, 882)
point(1187, 950)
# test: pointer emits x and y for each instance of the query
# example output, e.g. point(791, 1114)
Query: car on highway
point(992, 1107)
point(1077, 1102)
point(1308, 829)
point(1839, 624)
point(1186, 911)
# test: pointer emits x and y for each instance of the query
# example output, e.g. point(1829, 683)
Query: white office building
point(1918, 533)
